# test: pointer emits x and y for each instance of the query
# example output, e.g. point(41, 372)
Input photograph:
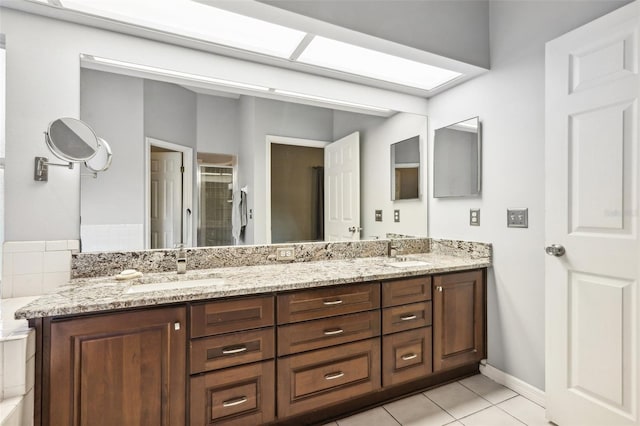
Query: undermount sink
point(408, 263)
point(174, 285)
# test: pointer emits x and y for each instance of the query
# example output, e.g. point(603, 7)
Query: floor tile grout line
point(439, 406)
point(508, 413)
point(397, 421)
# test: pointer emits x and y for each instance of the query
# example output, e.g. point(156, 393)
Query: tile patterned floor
point(474, 401)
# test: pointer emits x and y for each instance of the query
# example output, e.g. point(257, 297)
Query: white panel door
point(166, 199)
point(342, 189)
point(592, 184)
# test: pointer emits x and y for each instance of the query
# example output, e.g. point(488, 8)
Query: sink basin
point(408, 264)
point(174, 285)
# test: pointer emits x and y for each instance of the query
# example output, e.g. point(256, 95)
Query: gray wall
point(510, 103)
point(170, 113)
point(218, 124)
point(113, 105)
point(455, 29)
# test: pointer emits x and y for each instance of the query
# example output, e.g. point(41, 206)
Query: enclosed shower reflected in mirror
point(215, 200)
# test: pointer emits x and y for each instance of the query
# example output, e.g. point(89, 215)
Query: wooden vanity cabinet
point(406, 325)
point(263, 359)
point(116, 369)
point(232, 352)
point(459, 319)
point(328, 346)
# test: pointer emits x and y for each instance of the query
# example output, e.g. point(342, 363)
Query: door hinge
point(181, 169)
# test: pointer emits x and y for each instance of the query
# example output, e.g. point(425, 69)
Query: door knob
point(555, 250)
point(355, 229)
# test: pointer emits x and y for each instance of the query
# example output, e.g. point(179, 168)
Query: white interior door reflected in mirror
point(166, 199)
point(342, 189)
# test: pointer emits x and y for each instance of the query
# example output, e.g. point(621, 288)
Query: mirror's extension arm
point(41, 171)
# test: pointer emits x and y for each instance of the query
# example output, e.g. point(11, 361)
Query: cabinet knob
point(176, 325)
point(439, 288)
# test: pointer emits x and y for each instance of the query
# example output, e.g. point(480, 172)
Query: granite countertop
point(106, 293)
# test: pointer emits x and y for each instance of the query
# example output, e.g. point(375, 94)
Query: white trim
point(282, 140)
point(523, 388)
point(187, 188)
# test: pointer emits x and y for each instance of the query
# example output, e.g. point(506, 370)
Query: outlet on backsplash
point(285, 254)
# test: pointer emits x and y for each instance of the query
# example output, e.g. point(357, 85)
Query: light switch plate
point(378, 215)
point(396, 215)
point(474, 217)
point(518, 218)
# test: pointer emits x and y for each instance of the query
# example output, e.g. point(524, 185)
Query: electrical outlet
point(518, 218)
point(378, 215)
point(285, 254)
point(474, 217)
point(396, 215)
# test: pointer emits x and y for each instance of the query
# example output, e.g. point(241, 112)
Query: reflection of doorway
point(168, 194)
point(215, 205)
point(297, 193)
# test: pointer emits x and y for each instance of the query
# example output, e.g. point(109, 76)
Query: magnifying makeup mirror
point(74, 141)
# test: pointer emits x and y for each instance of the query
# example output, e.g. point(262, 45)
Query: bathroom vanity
point(297, 343)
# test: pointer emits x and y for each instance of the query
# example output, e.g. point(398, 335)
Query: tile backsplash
point(32, 268)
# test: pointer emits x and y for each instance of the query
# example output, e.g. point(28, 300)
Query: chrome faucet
point(181, 259)
point(392, 249)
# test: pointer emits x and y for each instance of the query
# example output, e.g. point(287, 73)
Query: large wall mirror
point(457, 159)
point(188, 155)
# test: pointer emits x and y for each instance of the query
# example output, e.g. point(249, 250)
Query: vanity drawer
point(406, 356)
point(305, 336)
point(406, 317)
point(326, 376)
point(410, 290)
point(226, 316)
point(327, 302)
point(234, 396)
point(211, 353)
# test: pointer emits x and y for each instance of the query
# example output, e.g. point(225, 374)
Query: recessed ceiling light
point(199, 21)
point(358, 60)
point(172, 73)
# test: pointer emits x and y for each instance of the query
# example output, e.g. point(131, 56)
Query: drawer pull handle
point(408, 317)
point(407, 357)
point(333, 331)
point(234, 350)
point(332, 376)
point(332, 302)
point(236, 401)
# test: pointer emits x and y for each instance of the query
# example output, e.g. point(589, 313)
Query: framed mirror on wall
point(405, 169)
point(457, 159)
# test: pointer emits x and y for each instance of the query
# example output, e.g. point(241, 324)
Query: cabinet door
point(234, 396)
point(118, 369)
point(327, 376)
point(458, 319)
point(406, 356)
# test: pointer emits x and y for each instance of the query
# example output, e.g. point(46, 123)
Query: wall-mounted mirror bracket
point(74, 141)
point(41, 171)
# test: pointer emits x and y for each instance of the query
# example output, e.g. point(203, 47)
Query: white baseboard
point(523, 388)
